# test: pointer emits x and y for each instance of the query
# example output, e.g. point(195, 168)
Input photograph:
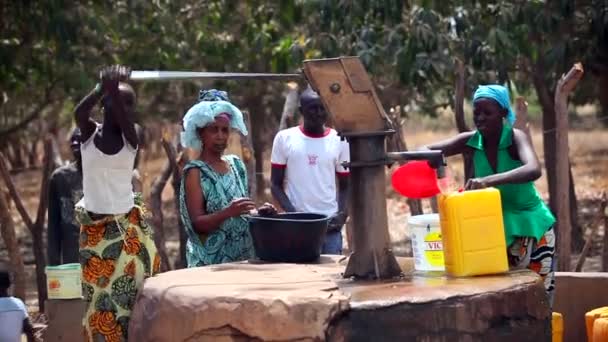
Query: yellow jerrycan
point(473, 234)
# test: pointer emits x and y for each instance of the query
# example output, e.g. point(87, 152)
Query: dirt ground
point(588, 153)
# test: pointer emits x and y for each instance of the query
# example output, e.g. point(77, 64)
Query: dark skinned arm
point(54, 225)
point(110, 85)
point(82, 114)
point(528, 172)
point(452, 146)
point(125, 122)
point(277, 179)
point(28, 330)
point(343, 191)
point(202, 222)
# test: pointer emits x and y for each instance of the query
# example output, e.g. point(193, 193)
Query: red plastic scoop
point(416, 179)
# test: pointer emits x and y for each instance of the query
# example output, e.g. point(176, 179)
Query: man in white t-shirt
point(13, 315)
point(305, 162)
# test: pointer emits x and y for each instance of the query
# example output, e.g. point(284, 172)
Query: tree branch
point(291, 104)
point(46, 174)
point(459, 98)
point(521, 110)
point(156, 205)
point(562, 203)
point(35, 113)
point(13, 192)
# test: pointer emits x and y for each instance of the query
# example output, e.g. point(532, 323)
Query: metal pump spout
point(434, 158)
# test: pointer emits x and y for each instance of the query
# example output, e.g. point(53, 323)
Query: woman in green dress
point(214, 192)
point(503, 157)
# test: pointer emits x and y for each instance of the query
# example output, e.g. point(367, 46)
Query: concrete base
point(576, 294)
point(287, 302)
point(64, 320)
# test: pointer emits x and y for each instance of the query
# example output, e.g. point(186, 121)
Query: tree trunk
point(157, 210)
point(549, 133)
point(521, 110)
point(396, 143)
point(177, 167)
point(17, 162)
point(291, 105)
point(467, 158)
point(7, 229)
point(37, 229)
point(564, 229)
point(40, 259)
point(578, 233)
point(603, 97)
point(248, 153)
point(33, 154)
point(256, 112)
point(605, 250)
point(545, 97)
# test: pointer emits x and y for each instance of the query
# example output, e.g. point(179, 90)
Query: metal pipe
point(151, 75)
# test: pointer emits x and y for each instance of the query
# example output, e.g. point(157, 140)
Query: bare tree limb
point(46, 174)
point(37, 229)
point(7, 230)
point(291, 104)
point(177, 164)
point(248, 154)
point(13, 192)
point(521, 110)
point(33, 115)
point(158, 218)
point(564, 228)
point(605, 251)
point(397, 143)
point(459, 97)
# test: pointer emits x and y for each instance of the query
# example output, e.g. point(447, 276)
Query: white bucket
point(427, 246)
point(64, 281)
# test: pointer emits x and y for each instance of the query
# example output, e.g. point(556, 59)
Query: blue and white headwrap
point(498, 93)
point(211, 104)
point(213, 95)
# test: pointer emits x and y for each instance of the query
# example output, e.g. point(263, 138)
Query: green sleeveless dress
point(524, 212)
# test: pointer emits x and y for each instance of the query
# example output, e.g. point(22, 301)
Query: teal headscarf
point(211, 104)
point(498, 93)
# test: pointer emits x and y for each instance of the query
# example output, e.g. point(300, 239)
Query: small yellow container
point(590, 318)
point(600, 330)
point(64, 281)
point(557, 327)
point(473, 233)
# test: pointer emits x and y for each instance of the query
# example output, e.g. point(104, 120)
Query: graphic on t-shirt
point(312, 159)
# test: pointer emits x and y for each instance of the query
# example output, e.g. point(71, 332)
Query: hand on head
point(111, 76)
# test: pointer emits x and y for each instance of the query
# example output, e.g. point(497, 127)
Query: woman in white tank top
point(117, 250)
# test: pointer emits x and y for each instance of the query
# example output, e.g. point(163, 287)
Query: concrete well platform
point(289, 302)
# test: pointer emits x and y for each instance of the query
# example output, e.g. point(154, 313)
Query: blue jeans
point(333, 243)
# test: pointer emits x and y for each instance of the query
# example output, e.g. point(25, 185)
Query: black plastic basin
point(288, 237)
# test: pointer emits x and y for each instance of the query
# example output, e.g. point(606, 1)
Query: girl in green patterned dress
point(214, 190)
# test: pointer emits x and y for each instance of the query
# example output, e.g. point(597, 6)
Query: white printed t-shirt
point(311, 164)
point(12, 314)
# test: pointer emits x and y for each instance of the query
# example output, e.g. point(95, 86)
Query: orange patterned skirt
point(117, 253)
point(538, 256)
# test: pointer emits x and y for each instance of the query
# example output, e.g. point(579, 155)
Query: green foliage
point(409, 47)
